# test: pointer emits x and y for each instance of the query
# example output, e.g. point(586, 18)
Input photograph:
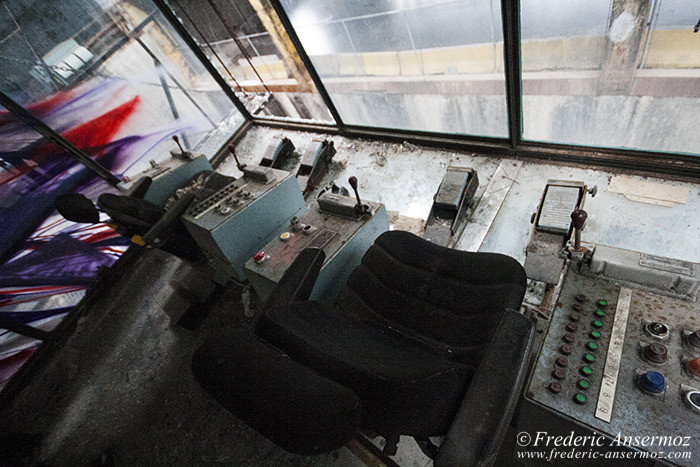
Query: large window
point(611, 73)
point(417, 65)
point(251, 50)
point(114, 79)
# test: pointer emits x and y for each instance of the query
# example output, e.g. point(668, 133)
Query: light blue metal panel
point(236, 223)
point(337, 269)
point(168, 176)
point(264, 219)
point(344, 240)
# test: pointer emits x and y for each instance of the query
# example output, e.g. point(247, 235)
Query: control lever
point(232, 150)
point(359, 207)
point(260, 174)
point(578, 219)
point(177, 141)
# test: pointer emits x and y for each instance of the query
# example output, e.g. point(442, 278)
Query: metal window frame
point(678, 165)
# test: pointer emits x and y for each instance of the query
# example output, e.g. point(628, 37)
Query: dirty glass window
point(614, 73)
point(113, 78)
point(252, 51)
point(433, 66)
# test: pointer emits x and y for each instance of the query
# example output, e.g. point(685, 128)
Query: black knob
point(655, 353)
point(694, 339)
point(578, 217)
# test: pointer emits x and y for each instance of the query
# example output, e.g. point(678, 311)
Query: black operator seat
point(424, 341)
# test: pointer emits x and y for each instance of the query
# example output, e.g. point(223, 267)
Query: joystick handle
point(353, 183)
point(177, 141)
point(232, 150)
point(578, 218)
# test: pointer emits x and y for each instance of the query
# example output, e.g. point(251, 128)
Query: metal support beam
point(46, 131)
point(197, 51)
point(510, 13)
point(279, 9)
point(624, 46)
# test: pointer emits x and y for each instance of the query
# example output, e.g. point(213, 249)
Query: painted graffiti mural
point(47, 261)
point(113, 78)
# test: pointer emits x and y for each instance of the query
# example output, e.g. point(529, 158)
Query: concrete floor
point(120, 384)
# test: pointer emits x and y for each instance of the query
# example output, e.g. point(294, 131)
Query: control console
point(620, 361)
point(171, 174)
point(344, 227)
point(232, 224)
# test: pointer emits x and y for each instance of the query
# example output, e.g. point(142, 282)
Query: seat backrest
point(448, 299)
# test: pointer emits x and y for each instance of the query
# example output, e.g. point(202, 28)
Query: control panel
point(232, 224)
point(172, 173)
point(342, 226)
point(618, 361)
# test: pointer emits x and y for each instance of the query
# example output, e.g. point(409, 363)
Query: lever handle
point(353, 183)
point(578, 218)
point(177, 141)
point(232, 150)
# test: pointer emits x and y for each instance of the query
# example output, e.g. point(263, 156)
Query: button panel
point(658, 385)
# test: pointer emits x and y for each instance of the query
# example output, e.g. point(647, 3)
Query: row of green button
point(590, 358)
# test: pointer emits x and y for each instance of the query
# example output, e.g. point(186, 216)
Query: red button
point(259, 256)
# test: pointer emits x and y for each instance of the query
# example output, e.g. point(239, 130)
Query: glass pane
point(46, 262)
point(611, 73)
point(117, 82)
point(417, 65)
point(262, 68)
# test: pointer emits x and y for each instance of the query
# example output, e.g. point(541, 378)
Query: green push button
point(592, 346)
point(595, 335)
point(580, 398)
point(583, 384)
point(589, 358)
point(586, 371)
point(602, 303)
point(597, 323)
point(600, 313)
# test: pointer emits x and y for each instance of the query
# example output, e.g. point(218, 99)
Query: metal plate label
point(606, 396)
point(557, 206)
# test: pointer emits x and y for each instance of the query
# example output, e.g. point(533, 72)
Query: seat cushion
point(298, 409)
point(403, 388)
